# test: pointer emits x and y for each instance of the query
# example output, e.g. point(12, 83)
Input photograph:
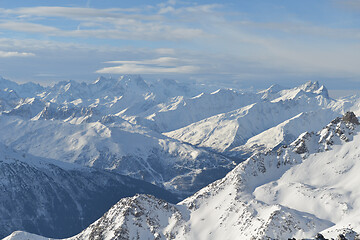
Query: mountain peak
point(309, 86)
point(273, 89)
point(5, 83)
point(314, 87)
point(99, 79)
point(132, 81)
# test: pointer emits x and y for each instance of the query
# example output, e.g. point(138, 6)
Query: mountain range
point(272, 164)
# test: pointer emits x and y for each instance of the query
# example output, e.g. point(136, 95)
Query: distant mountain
point(234, 133)
point(307, 189)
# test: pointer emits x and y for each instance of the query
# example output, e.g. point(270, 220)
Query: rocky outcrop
point(350, 117)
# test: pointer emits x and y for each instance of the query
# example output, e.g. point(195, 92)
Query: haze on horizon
point(231, 43)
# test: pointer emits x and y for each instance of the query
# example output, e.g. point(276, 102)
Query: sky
point(242, 44)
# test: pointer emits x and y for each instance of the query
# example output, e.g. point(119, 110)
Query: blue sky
point(230, 43)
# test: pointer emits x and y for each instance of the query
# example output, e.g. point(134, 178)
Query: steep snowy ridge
point(286, 132)
point(262, 167)
point(248, 188)
point(22, 90)
point(310, 89)
point(225, 132)
point(139, 217)
point(180, 112)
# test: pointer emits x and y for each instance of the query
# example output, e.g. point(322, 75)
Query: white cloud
point(302, 29)
point(144, 32)
point(4, 54)
point(162, 61)
point(114, 23)
point(27, 27)
point(140, 69)
point(165, 51)
point(151, 66)
point(67, 12)
point(218, 42)
point(166, 9)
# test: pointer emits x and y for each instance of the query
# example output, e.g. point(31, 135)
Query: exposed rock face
point(319, 236)
point(139, 217)
point(351, 118)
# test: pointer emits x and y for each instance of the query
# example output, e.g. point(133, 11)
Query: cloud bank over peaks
point(150, 66)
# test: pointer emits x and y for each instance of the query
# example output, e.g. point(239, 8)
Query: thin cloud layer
point(248, 43)
point(141, 69)
point(150, 66)
point(113, 23)
point(15, 54)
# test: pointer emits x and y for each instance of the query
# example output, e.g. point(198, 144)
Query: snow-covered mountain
point(245, 127)
point(297, 191)
point(119, 146)
point(58, 199)
point(95, 125)
point(181, 138)
point(248, 197)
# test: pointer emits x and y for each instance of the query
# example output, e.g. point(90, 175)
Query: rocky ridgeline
point(347, 234)
point(259, 164)
point(338, 130)
point(138, 217)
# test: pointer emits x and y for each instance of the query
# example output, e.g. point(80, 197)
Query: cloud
point(207, 41)
point(113, 23)
point(145, 32)
point(67, 12)
point(27, 27)
point(198, 9)
point(302, 29)
point(165, 51)
point(162, 61)
point(132, 31)
point(15, 54)
point(139, 69)
point(160, 65)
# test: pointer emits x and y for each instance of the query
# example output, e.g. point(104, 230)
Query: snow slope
point(242, 196)
point(286, 132)
point(96, 125)
point(225, 132)
point(121, 147)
